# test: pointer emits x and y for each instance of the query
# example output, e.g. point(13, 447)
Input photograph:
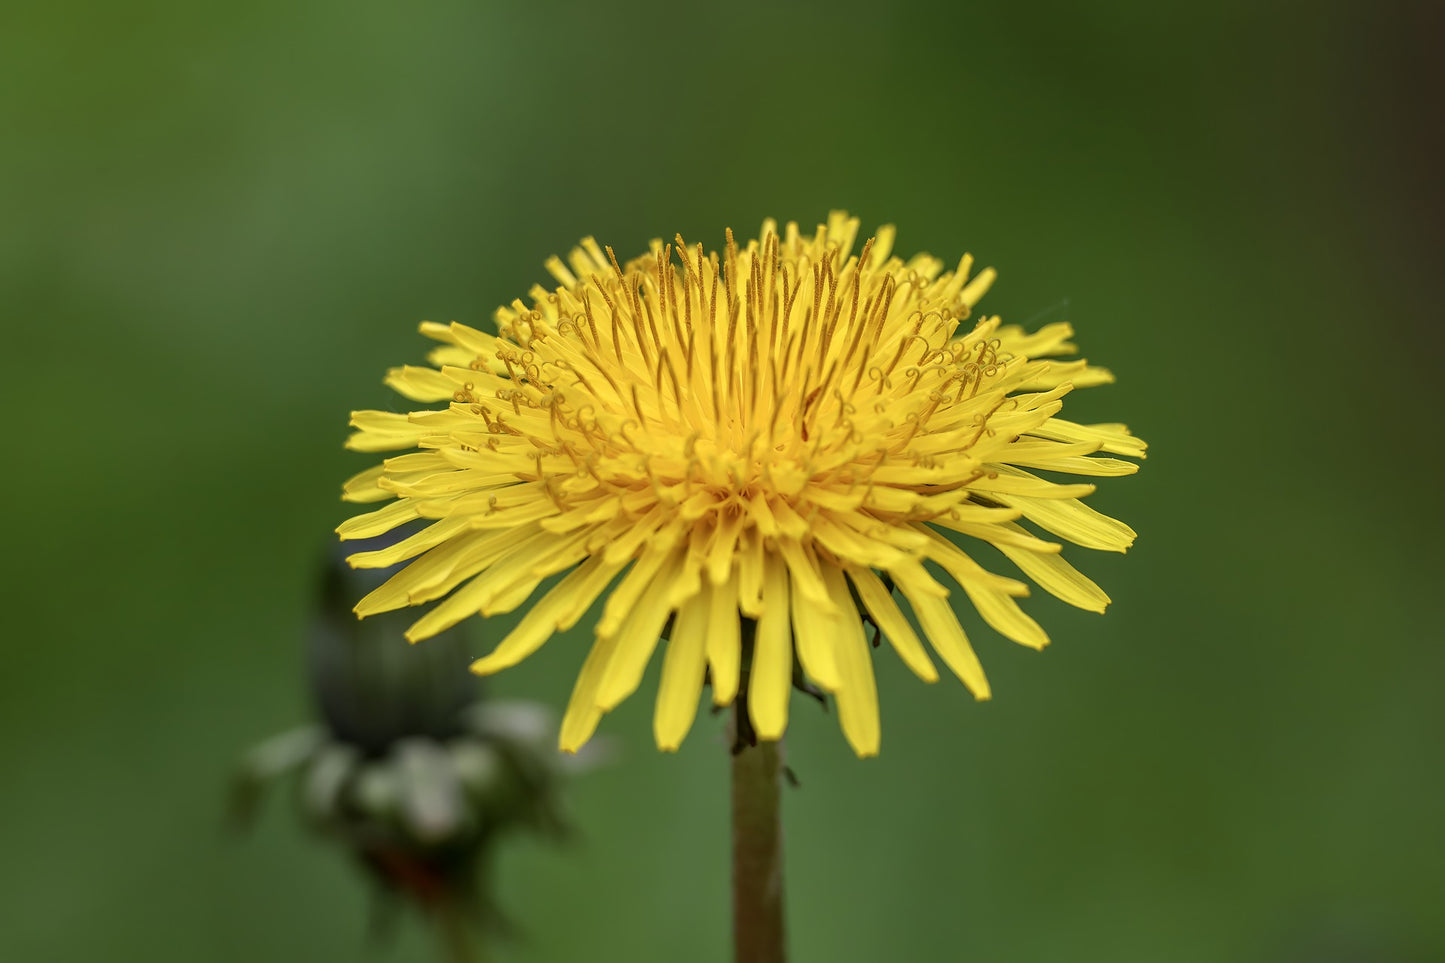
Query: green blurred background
point(219, 224)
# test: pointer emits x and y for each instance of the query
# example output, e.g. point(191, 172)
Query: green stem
point(758, 935)
point(459, 942)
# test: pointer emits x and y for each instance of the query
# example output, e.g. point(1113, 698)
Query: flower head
point(740, 452)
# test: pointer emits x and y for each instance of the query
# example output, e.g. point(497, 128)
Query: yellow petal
point(448, 565)
point(1001, 480)
point(964, 569)
point(383, 431)
point(362, 486)
point(630, 589)
point(724, 642)
point(411, 546)
point(682, 674)
point(750, 575)
point(892, 622)
point(540, 622)
point(940, 625)
point(1075, 521)
point(975, 289)
point(857, 694)
point(588, 590)
point(435, 573)
point(1003, 613)
point(582, 716)
point(770, 682)
point(378, 522)
point(846, 542)
point(998, 534)
point(421, 384)
point(803, 567)
point(1112, 438)
point(1058, 578)
point(720, 552)
point(504, 584)
point(814, 632)
point(1051, 339)
point(637, 640)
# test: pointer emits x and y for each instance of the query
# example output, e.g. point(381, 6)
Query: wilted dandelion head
point(748, 453)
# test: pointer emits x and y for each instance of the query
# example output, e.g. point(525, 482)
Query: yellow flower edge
point(766, 433)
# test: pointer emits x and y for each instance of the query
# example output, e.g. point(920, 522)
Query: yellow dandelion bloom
point(751, 447)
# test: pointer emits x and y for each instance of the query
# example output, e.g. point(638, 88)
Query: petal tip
point(482, 667)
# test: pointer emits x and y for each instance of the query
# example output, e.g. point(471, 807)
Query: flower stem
point(758, 935)
point(459, 943)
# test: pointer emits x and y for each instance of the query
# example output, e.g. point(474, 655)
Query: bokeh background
point(220, 223)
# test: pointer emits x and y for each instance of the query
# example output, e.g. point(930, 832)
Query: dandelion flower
point(749, 454)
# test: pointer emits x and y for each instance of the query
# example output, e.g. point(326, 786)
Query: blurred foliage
point(412, 770)
point(221, 223)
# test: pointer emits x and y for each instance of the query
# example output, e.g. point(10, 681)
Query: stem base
point(757, 831)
